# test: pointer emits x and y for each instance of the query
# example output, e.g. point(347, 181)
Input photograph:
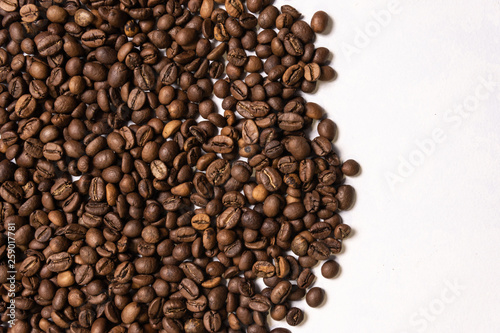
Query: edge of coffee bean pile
point(129, 201)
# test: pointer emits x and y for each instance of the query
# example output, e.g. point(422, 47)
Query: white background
point(424, 256)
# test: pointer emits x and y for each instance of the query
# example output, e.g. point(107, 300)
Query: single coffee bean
point(212, 321)
point(312, 72)
point(222, 144)
point(293, 45)
point(259, 303)
point(290, 121)
point(342, 231)
point(200, 221)
point(280, 292)
point(319, 21)
point(294, 317)
point(293, 75)
point(315, 297)
point(345, 196)
point(59, 262)
point(263, 269)
point(237, 57)
point(350, 168)
point(11, 192)
point(327, 129)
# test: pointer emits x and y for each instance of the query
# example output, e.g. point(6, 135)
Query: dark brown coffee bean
point(270, 178)
point(59, 262)
point(217, 298)
point(319, 250)
point(290, 121)
point(212, 321)
point(222, 144)
point(259, 303)
point(350, 168)
point(239, 90)
point(293, 45)
point(49, 45)
point(321, 146)
point(93, 38)
point(345, 196)
point(263, 269)
point(267, 17)
point(234, 7)
point(25, 106)
point(315, 297)
point(11, 192)
point(294, 317)
point(169, 74)
point(280, 292)
point(312, 72)
point(218, 172)
point(319, 21)
point(30, 266)
point(327, 129)
point(330, 269)
point(189, 289)
point(237, 57)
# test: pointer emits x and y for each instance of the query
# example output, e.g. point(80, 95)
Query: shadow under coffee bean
point(135, 205)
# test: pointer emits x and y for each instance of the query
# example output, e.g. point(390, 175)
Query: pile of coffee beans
point(128, 201)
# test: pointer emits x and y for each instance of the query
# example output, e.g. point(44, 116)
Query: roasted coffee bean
point(237, 57)
point(200, 221)
point(270, 178)
point(350, 168)
point(319, 21)
point(319, 250)
point(345, 196)
point(312, 72)
point(222, 144)
point(212, 321)
point(263, 269)
point(280, 292)
point(59, 262)
point(239, 90)
point(234, 7)
point(321, 146)
point(93, 38)
point(305, 279)
point(259, 303)
point(218, 172)
point(30, 266)
point(294, 317)
point(25, 106)
point(11, 192)
point(290, 121)
point(330, 269)
point(293, 75)
point(189, 289)
point(293, 45)
point(342, 231)
point(315, 297)
point(327, 129)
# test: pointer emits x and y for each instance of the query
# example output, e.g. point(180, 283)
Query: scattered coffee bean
point(330, 269)
point(294, 317)
point(315, 297)
point(350, 168)
point(319, 21)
